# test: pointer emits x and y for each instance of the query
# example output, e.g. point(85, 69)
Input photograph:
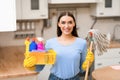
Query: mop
point(100, 42)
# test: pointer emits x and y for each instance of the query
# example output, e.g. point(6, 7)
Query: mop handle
point(91, 44)
point(88, 64)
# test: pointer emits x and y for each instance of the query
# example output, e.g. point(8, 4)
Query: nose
point(66, 25)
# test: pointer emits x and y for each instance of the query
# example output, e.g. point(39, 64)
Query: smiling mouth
point(67, 30)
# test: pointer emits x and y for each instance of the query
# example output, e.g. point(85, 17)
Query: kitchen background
point(42, 22)
point(39, 18)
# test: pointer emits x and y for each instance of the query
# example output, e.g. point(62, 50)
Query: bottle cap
point(40, 39)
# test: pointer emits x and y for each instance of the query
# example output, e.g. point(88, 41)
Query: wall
point(84, 22)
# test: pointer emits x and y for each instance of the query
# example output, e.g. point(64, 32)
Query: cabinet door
point(111, 57)
point(7, 15)
point(106, 8)
point(34, 9)
point(111, 53)
point(106, 62)
point(18, 9)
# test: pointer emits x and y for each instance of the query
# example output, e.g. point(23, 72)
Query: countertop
point(114, 44)
point(11, 62)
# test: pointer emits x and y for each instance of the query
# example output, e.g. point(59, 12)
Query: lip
point(67, 30)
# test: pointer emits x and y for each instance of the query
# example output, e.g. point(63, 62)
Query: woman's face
point(66, 24)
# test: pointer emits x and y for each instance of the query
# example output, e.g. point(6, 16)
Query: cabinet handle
point(118, 52)
point(101, 13)
point(118, 62)
point(99, 64)
point(43, 15)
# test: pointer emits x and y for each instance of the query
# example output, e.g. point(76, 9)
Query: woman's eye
point(70, 22)
point(62, 22)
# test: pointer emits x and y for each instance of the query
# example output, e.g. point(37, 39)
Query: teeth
point(66, 29)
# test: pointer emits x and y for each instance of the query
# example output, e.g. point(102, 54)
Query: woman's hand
point(89, 59)
point(29, 62)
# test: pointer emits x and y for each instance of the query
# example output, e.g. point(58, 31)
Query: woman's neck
point(66, 37)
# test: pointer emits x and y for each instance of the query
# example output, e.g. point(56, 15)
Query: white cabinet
point(18, 9)
point(32, 9)
point(7, 15)
point(111, 57)
point(106, 8)
point(71, 1)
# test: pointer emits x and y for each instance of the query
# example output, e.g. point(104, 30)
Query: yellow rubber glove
point(51, 51)
point(89, 58)
point(29, 62)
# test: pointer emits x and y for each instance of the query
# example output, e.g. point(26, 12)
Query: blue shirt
point(69, 58)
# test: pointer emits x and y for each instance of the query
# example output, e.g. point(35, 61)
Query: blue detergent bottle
point(33, 45)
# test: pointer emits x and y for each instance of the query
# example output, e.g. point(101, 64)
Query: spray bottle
point(33, 45)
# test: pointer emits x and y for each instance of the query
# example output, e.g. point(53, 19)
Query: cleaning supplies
point(27, 43)
point(40, 45)
point(36, 54)
point(33, 45)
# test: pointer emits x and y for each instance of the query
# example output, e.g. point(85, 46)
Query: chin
point(67, 33)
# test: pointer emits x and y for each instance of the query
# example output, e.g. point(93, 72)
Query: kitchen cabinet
point(106, 8)
point(111, 57)
point(18, 9)
point(71, 1)
point(31, 9)
point(7, 15)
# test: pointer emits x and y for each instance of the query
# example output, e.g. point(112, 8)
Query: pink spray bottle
point(40, 45)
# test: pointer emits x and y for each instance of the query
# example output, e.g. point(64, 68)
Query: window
point(108, 3)
point(34, 4)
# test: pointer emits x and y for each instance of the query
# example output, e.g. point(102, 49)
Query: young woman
point(70, 50)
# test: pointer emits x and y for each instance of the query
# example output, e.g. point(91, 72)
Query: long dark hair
point(59, 32)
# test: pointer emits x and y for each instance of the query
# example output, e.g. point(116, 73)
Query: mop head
point(101, 41)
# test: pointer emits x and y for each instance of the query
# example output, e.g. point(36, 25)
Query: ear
point(58, 24)
point(74, 24)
